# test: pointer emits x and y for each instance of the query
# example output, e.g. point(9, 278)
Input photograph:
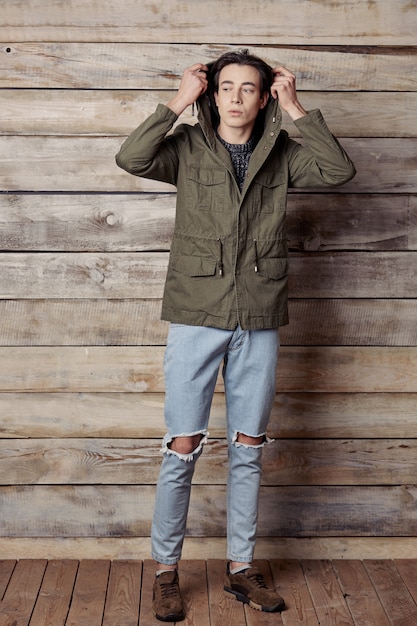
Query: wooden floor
point(118, 593)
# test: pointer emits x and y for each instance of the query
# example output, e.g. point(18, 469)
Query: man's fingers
point(282, 71)
point(198, 67)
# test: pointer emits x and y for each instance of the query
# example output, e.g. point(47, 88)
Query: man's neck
point(234, 135)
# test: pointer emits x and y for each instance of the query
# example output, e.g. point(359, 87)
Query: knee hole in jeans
point(249, 440)
point(185, 445)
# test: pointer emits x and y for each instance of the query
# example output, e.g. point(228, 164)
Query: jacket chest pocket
point(206, 188)
point(269, 192)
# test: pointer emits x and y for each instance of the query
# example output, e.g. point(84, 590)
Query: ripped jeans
point(192, 360)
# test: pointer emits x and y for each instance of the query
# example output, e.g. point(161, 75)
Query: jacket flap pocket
point(271, 178)
point(275, 268)
point(206, 176)
point(194, 265)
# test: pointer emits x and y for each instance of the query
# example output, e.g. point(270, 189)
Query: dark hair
point(242, 57)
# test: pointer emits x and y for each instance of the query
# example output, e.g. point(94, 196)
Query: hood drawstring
point(255, 247)
point(220, 261)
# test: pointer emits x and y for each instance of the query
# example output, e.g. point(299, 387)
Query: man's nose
point(235, 96)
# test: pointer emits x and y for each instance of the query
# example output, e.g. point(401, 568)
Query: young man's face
point(238, 100)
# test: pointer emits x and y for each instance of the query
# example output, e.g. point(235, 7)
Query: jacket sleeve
point(148, 152)
point(321, 161)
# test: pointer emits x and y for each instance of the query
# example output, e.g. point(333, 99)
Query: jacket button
point(272, 133)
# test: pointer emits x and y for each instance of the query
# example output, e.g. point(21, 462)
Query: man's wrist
point(295, 111)
point(177, 105)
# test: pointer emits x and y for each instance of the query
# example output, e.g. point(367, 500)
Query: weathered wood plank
point(290, 583)
point(321, 222)
point(146, 613)
point(326, 593)
point(137, 461)
point(16, 607)
point(123, 594)
point(86, 461)
point(394, 596)
point(88, 164)
point(146, 66)
point(89, 415)
point(6, 570)
point(89, 595)
point(127, 415)
point(346, 369)
point(193, 577)
point(55, 594)
point(117, 275)
point(289, 511)
point(104, 112)
point(361, 597)
point(356, 547)
point(347, 274)
point(81, 369)
point(290, 22)
point(337, 462)
point(139, 369)
point(98, 222)
point(407, 569)
point(137, 322)
point(71, 164)
point(130, 275)
point(351, 322)
point(376, 165)
point(145, 222)
point(93, 322)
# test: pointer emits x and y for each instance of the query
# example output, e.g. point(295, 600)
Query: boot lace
point(168, 590)
point(257, 579)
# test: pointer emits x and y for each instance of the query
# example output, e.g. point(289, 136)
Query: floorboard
point(119, 593)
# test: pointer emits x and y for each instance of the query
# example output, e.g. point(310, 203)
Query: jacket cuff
point(313, 117)
point(165, 113)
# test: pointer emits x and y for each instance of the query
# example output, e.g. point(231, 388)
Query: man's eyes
point(245, 90)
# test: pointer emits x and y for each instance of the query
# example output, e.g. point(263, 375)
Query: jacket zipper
point(255, 247)
point(220, 261)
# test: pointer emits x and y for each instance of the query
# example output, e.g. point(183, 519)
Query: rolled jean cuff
point(240, 558)
point(163, 560)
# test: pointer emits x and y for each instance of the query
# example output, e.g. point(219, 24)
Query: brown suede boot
point(167, 602)
point(249, 587)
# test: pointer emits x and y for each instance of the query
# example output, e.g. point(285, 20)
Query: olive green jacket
point(228, 263)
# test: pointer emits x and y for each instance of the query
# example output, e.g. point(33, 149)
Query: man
point(226, 287)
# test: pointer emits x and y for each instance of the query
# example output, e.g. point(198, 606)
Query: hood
point(269, 118)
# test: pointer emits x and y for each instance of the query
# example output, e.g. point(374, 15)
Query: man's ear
point(264, 99)
point(215, 98)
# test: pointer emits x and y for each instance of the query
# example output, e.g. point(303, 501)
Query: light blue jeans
point(192, 360)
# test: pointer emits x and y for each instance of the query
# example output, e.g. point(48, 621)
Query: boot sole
point(170, 618)
point(258, 607)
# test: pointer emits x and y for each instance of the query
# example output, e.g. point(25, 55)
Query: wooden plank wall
point(83, 252)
